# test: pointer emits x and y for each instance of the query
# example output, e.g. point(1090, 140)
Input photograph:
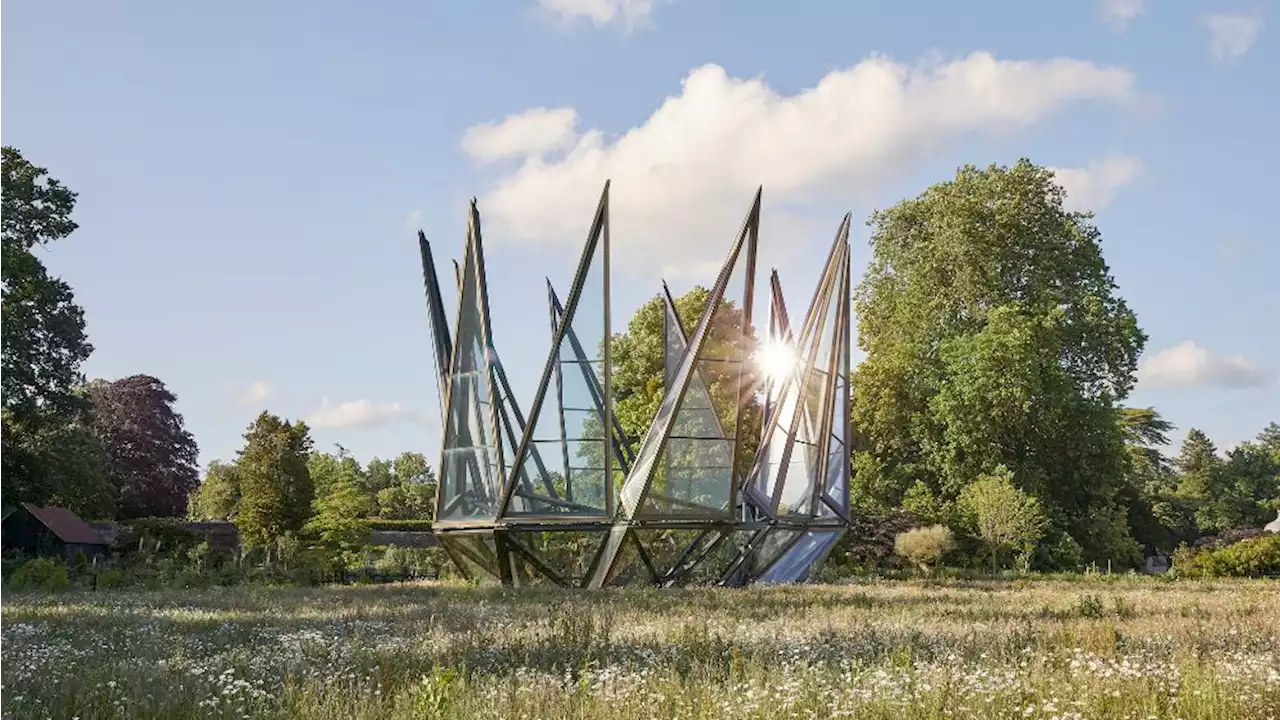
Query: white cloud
point(684, 177)
point(1231, 36)
point(628, 13)
point(532, 132)
point(257, 392)
point(413, 219)
point(1117, 13)
point(1189, 365)
point(1092, 187)
point(360, 413)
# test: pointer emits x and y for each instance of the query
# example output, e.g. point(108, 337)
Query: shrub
point(925, 547)
point(44, 574)
point(1252, 557)
point(401, 525)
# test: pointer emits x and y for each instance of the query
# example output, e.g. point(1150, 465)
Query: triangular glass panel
point(562, 556)
point(835, 500)
point(686, 466)
point(790, 462)
point(714, 557)
point(802, 560)
point(698, 453)
point(470, 466)
point(565, 439)
point(475, 555)
point(669, 550)
point(767, 550)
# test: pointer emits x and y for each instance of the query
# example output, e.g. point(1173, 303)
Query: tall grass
point(1052, 648)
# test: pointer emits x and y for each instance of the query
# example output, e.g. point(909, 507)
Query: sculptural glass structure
point(742, 476)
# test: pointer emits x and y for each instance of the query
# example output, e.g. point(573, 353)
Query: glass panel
point(705, 392)
point(800, 562)
point(667, 549)
point(567, 553)
point(470, 477)
point(775, 542)
point(629, 568)
point(714, 560)
point(569, 430)
point(474, 555)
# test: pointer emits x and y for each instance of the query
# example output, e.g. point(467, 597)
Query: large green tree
point(49, 454)
point(218, 495)
point(276, 491)
point(994, 336)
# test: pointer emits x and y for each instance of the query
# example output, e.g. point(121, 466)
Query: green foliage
point(1004, 517)
point(275, 486)
point(42, 574)
point(988, 315)
point(339, 522)
point(218, 495)
point(51, 459)
point(925, 547)
point(1252, 557)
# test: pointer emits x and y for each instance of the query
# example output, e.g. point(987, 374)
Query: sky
point(251, 175)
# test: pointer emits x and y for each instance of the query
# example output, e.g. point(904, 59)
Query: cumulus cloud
point(684, 177)
point(257, 392)
point(1116, 14)
point(1093, 187)
point(1231, 35)
point(530, 133)
point(628, 13)
point(1189, 365)
point(360, 413)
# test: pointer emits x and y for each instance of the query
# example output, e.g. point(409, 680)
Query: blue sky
point(250, 174)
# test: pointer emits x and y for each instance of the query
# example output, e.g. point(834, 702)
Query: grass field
point(1086, 648)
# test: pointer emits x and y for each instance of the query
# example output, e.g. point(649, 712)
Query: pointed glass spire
point(470, 466)
point(571, 408)
point(790, 462)
point(686, 465)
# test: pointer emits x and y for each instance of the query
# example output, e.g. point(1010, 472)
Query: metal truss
point(561, 497)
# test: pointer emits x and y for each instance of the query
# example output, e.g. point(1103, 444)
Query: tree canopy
point(994, 336)
point(151, 457)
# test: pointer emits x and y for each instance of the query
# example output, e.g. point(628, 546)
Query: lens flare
point(776, 360)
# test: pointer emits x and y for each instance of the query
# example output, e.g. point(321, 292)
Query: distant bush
point(1252, 557)
point(925, 547)
point(401, 525)
point(43, 574)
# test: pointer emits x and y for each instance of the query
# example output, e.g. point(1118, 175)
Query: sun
point(776, 360)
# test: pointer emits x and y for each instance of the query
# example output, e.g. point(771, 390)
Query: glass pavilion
point(562, 496)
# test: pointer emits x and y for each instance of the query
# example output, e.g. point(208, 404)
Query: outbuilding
point(51, 531)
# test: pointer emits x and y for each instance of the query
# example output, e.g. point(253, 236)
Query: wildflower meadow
point(1101, 647)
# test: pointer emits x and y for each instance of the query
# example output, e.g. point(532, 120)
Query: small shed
point(51, 531)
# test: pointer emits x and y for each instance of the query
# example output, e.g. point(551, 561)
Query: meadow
point(1101, 647)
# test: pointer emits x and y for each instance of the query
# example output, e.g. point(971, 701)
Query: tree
point(218, 497)
point(49, 455)
point(55, 461)
point(151, 458)
point(411, 495)
point(43, 330)
point(275, 486)
point(339, 513)
point(994, 336)
point(1159, 519)
point(1001, 515)
point(378, 476)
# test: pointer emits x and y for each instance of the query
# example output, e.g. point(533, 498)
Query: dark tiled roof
point(65, 524)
